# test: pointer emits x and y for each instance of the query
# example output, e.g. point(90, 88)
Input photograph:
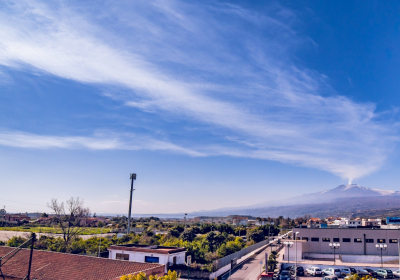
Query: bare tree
point(70, 216)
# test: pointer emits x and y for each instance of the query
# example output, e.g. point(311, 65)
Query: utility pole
point(30, 258)
point(133, 177)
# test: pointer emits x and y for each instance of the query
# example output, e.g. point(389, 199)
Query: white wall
point(292, 251)
point(140, 256)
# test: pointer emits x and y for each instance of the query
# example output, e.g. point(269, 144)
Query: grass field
point(86, 230)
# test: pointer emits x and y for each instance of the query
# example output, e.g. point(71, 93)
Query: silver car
point(314, 271)
point(332, 271)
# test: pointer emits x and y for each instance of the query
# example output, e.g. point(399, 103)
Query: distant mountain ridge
point(344, 199)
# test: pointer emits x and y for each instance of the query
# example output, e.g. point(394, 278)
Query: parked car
point(396, 273)
point(285, 275)
point(314, 271)
point(371, 272)
point(300, 270)
point(384, 273)
point(362, 272)
point(332, 271)
point(330, 277)
point(348, 271)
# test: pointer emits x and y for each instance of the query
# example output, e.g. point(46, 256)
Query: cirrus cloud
point(198, 62)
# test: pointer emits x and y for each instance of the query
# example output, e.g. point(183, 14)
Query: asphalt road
point(251, 269)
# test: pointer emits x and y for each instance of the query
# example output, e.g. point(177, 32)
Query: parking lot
point(309, 277)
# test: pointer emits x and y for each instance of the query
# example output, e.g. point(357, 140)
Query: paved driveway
point(251, 269)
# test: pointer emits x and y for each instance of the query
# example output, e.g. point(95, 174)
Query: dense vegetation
point(171, 275)
point(204, 242)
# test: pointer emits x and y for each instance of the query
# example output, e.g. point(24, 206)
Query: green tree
point(188, 235)
point(256, 235)
point(214, 240)
point(272, 262)
point(230, 247)
point(174, 232)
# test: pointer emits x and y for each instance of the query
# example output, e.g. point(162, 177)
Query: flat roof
point(148, 248)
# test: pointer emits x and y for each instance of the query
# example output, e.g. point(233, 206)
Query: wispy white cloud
point(201, 63)
point(101, 141)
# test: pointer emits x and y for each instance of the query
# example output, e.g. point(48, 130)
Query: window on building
point(124, 257)
point(369, 241)
point(381, 240)
point(315, 239)
point(346, 240)
point(336, 239)
point(392, 240)
point(358, 240)
point(304, 238)
point(151, 259)
point(326, 239)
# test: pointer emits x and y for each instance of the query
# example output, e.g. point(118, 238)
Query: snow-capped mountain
point(355, 190)
point(342, 191)
point(346, 197)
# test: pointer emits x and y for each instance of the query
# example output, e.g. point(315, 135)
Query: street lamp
point(288, 244)
point(381, 247)
point(184, 221)
point(334, 246)
point(295, 257)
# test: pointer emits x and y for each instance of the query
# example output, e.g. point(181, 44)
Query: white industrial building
point(356, 244)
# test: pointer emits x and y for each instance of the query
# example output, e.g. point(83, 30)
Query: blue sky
point(212, 103)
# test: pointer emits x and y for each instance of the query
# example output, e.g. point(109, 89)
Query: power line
point(22, 208)
point(23, 202)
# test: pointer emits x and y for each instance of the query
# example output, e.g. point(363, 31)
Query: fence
point(227, 260)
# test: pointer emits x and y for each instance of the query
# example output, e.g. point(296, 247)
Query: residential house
point(149, 254)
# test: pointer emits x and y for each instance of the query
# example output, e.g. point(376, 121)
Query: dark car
point(300, 270)
point(330, 277)
point(285, 275)
point(362, 272)
point(348, 271)
point(371, 272)
point(384, 273)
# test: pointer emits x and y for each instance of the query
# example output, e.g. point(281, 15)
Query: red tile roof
point(51, 265)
